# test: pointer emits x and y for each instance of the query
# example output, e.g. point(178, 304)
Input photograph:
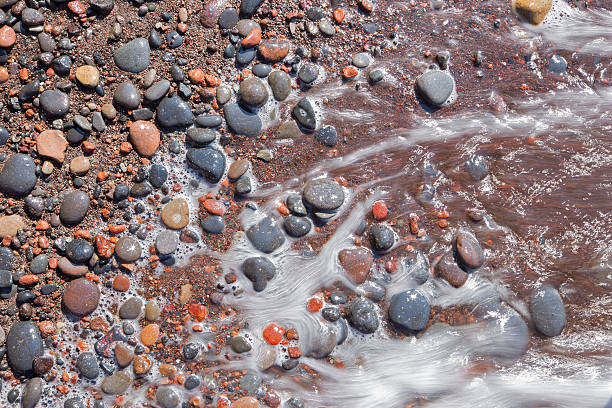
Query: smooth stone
point(237, 169)
point(174, 39)
point(74, 402)
point(127, 96)
point(435, 87)
point(87, 365)
point(175, 214)
point(81, 297)
point(166, 242)
point(7, 37)
point(32, 392)
point(249, 383)
point(88, 76)
point(376, 75)
point(241, 121)
point(117, 383)
point(273, 50)
point(192, 382)
point(381, 237)
point(201, 137)
point(304, 114)
point(322, 343)
point(6, 259)
point(152, 311)
point(223, 94)
point(102, 6)
point(213, 224)
point(363, 315)
point(477, 167)
point(253, 92)
point(10, 224)
point(534, 11)
point(74, 207)
point(470, 254)
point(145, 137)
point(210, 162)
point(123, 355)
point(128, 249)
point(327, 136)
point(327, 27)
point(240, 344)
point(23, 344)
point(246, 402)
point(361, 60)
point(134, 56)
point(249, 7)
point(54, 103)
point(228, 19)
point(243, 185)
point(158, 175)
point(29, 91)
point(280, 83)
point(141, 189)
point(261, 70)
point(71, 269)
point(80, 165)
point(167, 397)
point(266, 235)
point(62, 65)
point(258, 270)
point(18, 176)
point(557, 64)
point(79, 251)
point(244, 56)
point(308, 73)
point(296, 205)
point(297, 227)
point(324, 195)
point(289, 130)
point(547, 311)
point(447, 269)
point(39, 264)
point(210, 13)
point(356, 262)
point(157, 91)
point(174, 112)
point(32, 17)
point(245, 26)
point(82, 123)
point(410, 310)
point(6, 281)
point(209, 121)
point(51, 144)
point(130, 309)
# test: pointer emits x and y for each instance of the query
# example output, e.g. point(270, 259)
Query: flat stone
point(87, 365)
point(356, 262)
point(410, 310)
point(18, 176)
point(23, 344)
point(213, 224)
point(167, 397)
point(51, 144)
point(127, 96)
point(145, 137)
point(74, 207)
point(32, 392)
point(210, 162)
point(128, 249)
point(117, 383)
point(10, 224)
point(174, 112)
point(131, 308)
point(288, 130)
point(245, 55)
point(175, 214)
point(223, 94)
point(134, 56)
point(80, 165)
point(297, 227)
point(71, 269)
point(435, 87)
point(304, 114)
point(157, 91)
point(102, 6)
point(266, 235)
point(308, 73)
point(253, 92)
point(238, 168)
point(209, 121)
point(261, 70)
point(273, 50)
point(361, 59)
point(201, 137)
point(39, 264)
point(166, 242)
point(149, 334)
point(88, 76)
point(245, 26)
point(240, 344)
point(280, 83)
point(547, 311)
point(323, 194)
point(81, 297)
point(258, 270)
point(54, 103)
point(241, 121)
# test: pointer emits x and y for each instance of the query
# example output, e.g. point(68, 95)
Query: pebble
point(62, 65)
point(410, 310)
point(296, 205)
point(381, 237)
point(87, 365)
point(210, 162)
point(308, 73)
point(253, 92)
point(157, 91)
point(117, 383)
point(213, 224)
point(223, 94)
point(266, 235)
point(81, 297)
point(237, 169)
point(249, 8)
point(29, 91)
point(261, 70)
point(240, 344)
point(201, 137)
point(128, 249)
point(174, 39)
point(74, 207)
point(327, 28)
point(244, 56)
point(211, 12)
point(10, 224)
point(167, 397)
point(192, 382)
point(121, 283)
point(175, 214)
point(209, 121)
point(152, 311)
point(477, 167)
point(109, 111)
point(327, 136)
point(280, 83)
point(158, 175)
point(32, 392)
point(149, 334)
point(361, 60)
point(447, 269)
point(266, 357)
point(470, 254)
point(241, 121)
point(258, 270)
point(228, 18)
point(547, 311)
point(39, 264)
point(126, 96)
point(7, 37)
point(534, 11)
point(134, 56)
point(51, 144)
point(145, 138)
point(166, 242)
point(74, 402)
point(435, 87)
point(273, 50)
point(243, 185)
point(54, 103)
point(304, 114)
point(363, 315)
point(557, 64)
point(356, 262)
point(123, 355)
point(323, 194)
point(88, 76)
point(297, 226)
point(174, 112)
point(376, 75)
point(70, 269)
point(246, 402)
point(142, 364)
point(79, 165)
point(23, 344)
point(32, 17)
point(18, 176)
point(249, 383)
point(131, 308)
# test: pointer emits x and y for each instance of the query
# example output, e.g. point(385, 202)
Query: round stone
point(304, 114)
point(241, 121)
point(261, 70)
point(131, 308)
point(213, 224)
point(363, 316)
point(32, 392)
point(238, 168)
point(158, 175)
point(51, 144)
point(410, 310)
point(210, 162)
point(127, 96)
point(149, 334)
point(240, 344)
point(308, 73)
point(547, 311)
point(117, 383)
point(175, 214)
point(32, 17)
point(81, 297)
point(167, 397)
point(142, 364)
point(280, 83)
point(23, 344)
point(152, 311)
point(7, 37)
point(228, 19)
point(157, 91)
point(166, 242)
point(87, 365)
point(74, 207)
point(134, 56)
point(327, 136)
point(258, 270)
point(381, 237)
point(273, 50)
point(88, 76)
point(323, 194)
point(79, 165)
point(468, 251)
point(145, 137)
point(54, 103)
point(201, 137)
point(356, 262)
point(361, 60)
point(253, 92)
point(447, 269)
point(39, 264)
point(435, 87)
point(174, 112)
point(128, 249)
point(266, 235)
point(297, 226)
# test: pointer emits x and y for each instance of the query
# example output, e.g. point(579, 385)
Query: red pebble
point(315, 304)
point(294, 352)
point(214, 207)
point(379, 210)
point(273, 334)
point(198, 311)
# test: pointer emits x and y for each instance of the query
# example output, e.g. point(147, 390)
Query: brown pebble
point(123, 355)
point(167, 370)
point(246, 402)
point(356, 262)
point(148, 335)
point(80, 165)
point(121, 283)
point(176, 214)
point(81, 297)
point(142, 364)
point(7, 36)
point(4, 75)
point(144, 136)
point(52, 144)
point(237, 169)
point(448, 270)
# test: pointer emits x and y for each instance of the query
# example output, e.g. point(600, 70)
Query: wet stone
point(192, 382)
point(240, 344)
point(102, 6)
point(241, 121)
point(304, 114)
point(228, 18)
point(297, 226)
point(210, 162)
point(134, 56)
point(244, 56)
point(477, 167)
point(128, 249)
point(39, 264)
point(363, 315)
point(71, 269)
point(209, 121)
point(158, 175)
point(243, 185)
point(381, 237)
point(323, 194)
point(266, 235)
point(201, 137)
point(62, 65)
point(42, 365)
point(130, 309)
point(88, 76)
point(175, 214)
point(435, 87)
point(79, 251)
point(126, 96)
point(327, 27)
point(250, 383)
point(157, 91)
point(117, 383)
point(547, 311)
point(258, 270)
point(29, 91)
point(356, 262)
point(75, 402)
point(32, 392)
point(237, 169)
point(74, 207)
point(32, 17)
point(280, 83)
point(123, 355)
point(323, 343)
point(245, 26)
point(23, 344)
point(261, 70)
point(213, 224)
point(81, 297)
point(18, 176)
point(54, 103)
point(410, 310)
point(327, 136)
point(273, 50)
point(249, 7)
point(145, 138)
point(174, 39)
point(361, 60)
point(296, 205)
point(11, 224)
point(534, 11)
point(557, 64)
point(152, 311)
point(253, 92)
point(166, 242)
point(448, 270)
point(223, 95)
point(105, 346)
point(174, 112)
point(376, 75)
point(469, 253)
point(308, 73)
